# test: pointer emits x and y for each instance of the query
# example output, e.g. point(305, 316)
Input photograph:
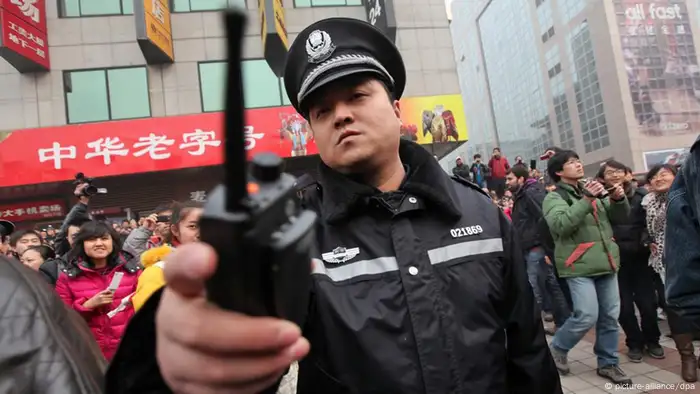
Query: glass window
point(87, 102)
point(78, 8)
point(261, 86)
point(570, 8)
point(205, 5)
point(588, 96)
point(515, 74)
point(100, 95)
point(326, 3)
point(128, 93)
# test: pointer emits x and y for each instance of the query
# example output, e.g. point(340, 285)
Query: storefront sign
point(660, 55)
point(24, 41)
point(107, 211)
point(153, 31)
point(380, 13)
point(34, 210)
point(198, 196)
point(273, 31)
point(55, 154)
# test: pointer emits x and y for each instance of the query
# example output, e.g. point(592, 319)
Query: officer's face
point(355, 125)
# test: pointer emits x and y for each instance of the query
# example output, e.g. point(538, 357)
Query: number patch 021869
point(466, 231)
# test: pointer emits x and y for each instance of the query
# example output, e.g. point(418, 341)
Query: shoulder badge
point(319, 46)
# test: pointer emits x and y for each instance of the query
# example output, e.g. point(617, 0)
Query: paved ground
point(650, 376)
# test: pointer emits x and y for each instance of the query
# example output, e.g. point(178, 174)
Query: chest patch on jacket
point(340, 255)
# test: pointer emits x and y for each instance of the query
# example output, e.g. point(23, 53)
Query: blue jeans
point(535, 259)
point(545, 286)
point(596, 303)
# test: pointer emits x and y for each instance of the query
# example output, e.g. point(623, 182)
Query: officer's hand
point(204, 349)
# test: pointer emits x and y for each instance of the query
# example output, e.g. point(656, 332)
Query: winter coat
point(582, 232)
point(78, 283)
point(152, 277)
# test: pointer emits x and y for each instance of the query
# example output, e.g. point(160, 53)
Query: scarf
point(655, 205)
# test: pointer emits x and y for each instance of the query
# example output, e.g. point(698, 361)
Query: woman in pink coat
point(98, 282)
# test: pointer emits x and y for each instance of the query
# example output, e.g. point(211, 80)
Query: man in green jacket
point(586, 255)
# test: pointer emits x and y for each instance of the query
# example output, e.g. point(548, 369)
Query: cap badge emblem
point(319, 46)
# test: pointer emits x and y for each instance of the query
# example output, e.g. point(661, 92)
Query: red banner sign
point(125, 147)
point(24, 37)
point(35, 210)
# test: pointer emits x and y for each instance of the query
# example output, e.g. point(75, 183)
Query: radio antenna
point(235, 167)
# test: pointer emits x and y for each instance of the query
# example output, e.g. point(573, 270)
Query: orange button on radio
point(253, 188)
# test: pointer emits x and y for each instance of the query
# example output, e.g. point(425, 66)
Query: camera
point(90, 189)
point(582, 185)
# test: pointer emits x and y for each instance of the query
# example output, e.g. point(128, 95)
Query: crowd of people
point(419, 283)
point(632, 247)
point(95, 266)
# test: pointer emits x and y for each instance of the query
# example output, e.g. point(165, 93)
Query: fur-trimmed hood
point(154, 255)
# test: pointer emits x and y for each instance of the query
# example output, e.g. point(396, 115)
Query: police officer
point(419, 287)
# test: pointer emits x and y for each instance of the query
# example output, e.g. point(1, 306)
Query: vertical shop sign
point(380, 13)
point(153, 30)
point(24, 40)
point(273, 31)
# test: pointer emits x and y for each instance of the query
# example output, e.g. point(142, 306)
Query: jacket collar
point(130, 263)
point(528, 184)
point(571, 189)
point(343, 196)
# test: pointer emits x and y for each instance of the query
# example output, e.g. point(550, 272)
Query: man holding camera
point(579, 217)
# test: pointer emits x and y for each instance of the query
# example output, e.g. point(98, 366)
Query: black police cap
point(334, 48)
point(6, 228)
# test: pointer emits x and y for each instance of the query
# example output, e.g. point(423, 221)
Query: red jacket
point(499, 167)
point(78, 283)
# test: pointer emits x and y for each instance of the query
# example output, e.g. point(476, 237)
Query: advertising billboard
point(153, 30)
point(24, 41)
point(273, 31)
point(667, 156)
point(434, 119)
point(661, 58)
point(54, 154)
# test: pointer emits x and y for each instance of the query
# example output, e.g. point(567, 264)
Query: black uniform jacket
point(417, 291)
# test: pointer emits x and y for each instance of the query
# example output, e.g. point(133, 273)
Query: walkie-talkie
point(263, 237)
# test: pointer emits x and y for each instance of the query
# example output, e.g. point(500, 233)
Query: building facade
point(102, 110)
point(609, 79)
point(94, 44)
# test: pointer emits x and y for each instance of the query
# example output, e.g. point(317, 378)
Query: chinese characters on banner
point(24, 37)
point(36, 210)
point(55, 154)
point(662, 66)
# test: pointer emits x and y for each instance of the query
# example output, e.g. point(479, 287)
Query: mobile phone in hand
point(116, 279)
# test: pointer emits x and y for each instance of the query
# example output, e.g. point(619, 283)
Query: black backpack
point(543, 227)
